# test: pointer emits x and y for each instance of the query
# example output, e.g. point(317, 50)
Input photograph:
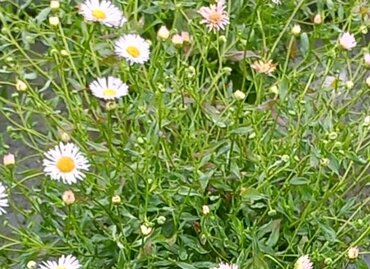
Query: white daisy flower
point(3, 199)
point(277, 2)
point(64, 262)
point(133, 48)
point(65, 163)
point(108, 88)
point(215, 16)
point(104, 12)
point(226, 266)
point(303, 262)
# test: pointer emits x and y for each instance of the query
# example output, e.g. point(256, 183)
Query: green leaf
point(299, 181)
point(305, 44)
point(42, 15)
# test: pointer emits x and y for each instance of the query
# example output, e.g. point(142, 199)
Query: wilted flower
point(303, 262)
point(9, 159)
point(264, 67)
point(347, 41)
point(163, 33)
point(68, 197)
point(53, 20)
point(215, 16)
point(353, 253)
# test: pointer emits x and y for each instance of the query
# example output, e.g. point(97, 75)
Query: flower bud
point(161, 220)
point(205, 210)
point(54, 4)
point(64, 53)
point(68, 197)
point(366, 121)
point(368, 81)
point(65, 137)
point(367, 59)
point(20, 85)
point(324, 162)
point(317, 19)
point(177, 40)
point(9, 159)
point(353, 253)
point(163, 33)
point(333, 136)
point(296, 30)
point(53, 21)
point(349, 84)
point(185, 37)
point(31, 265)
point(116, 199)
point(145, 230)
point(239, 95)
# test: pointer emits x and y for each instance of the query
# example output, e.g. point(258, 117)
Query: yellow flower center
point(99, 14)
point(133, 51)
point(215, 17)
point(61, 267)
point(109, 92)
point(65, 165)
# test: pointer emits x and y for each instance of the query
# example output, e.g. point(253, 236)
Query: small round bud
point(205, 209)
point(227, 70)
point(349, 84)
point(274, 89)
point(239, 95)
point(296, 30)
point(272, 212)
point(20, 85)
point(68, 197)
point(9, 159)
point(191, 72)
point(64, 53)
point(163, 33)
point(222, 39)
point(324, 161)
point(353, 253)
point(185, 37)
point(111, 105)
point(366, 121)
point(367, 59)
point(177, 40)
point(54, 4)
point(363, 29)
point(145, 230)
point(368, 81)
point(252, 135)
point(317, 19)
point(31, 265)
point(54, 20)
point(285, 158)
point(116, 199)
point(333, 136)
point(161, 220)
point(65, 137)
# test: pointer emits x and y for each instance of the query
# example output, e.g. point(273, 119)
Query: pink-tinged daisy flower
point(347, 41)
point(215, 16)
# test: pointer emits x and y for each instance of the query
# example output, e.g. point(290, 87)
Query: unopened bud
point(53, 20)
point(145, 230)
point(317, 19)
point(239, 95)
point(68, 197)
point(54, 4)
point(9, 159)
point(353, 253)
point(20, 85)
point(163, 33)
point(116, 199)
point(296, 30)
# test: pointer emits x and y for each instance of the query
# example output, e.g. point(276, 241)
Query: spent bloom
point(353, 253)
point(104, 12)
point(108, 88)
point(215, 16)
point(177, 40)
point(226, 266)
point(264, 67)
point(133, 48)
point(317, 19)
point(145, 230)
point(65, 163)
point(303, 262)
point(205, 209)
point(64, 262)
point(347, 41)
point(3, 199)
